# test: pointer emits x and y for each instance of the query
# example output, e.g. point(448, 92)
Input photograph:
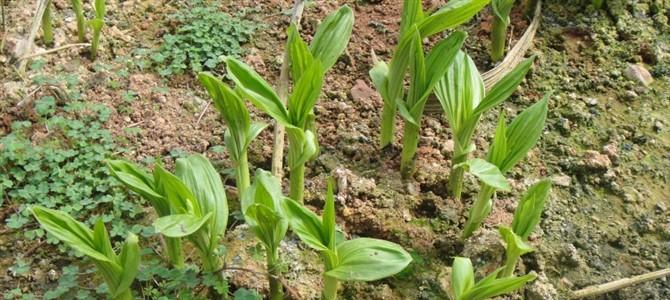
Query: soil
point(606, 146)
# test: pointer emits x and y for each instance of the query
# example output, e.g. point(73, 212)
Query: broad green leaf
point(523, 133)
point(366, 259)
point(259, 92)
point(305, 94)
point(180, 225)
point(332, 37)
point(417, 71)
point(501, 9)
point(455, 13)
point(379, 76)
point(179, 196)
point(487, 172)
point(440, 58)
point(266, 191)
point(306, 144)
point(101, 240)
point(505, 87)
point(254, 130)
point(129, 259)
point(328, 218)
point(140, 182)
point(462, 277)
point(412, 13)
point(306, 225)
point(198, 174)
point(498, 150)
point(69, 231)
point(269, 226)
point(497, 287)
point(529, 210)
point(515, 245)
point(300, 56)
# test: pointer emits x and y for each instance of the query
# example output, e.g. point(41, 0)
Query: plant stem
point(174, 252)
point(126, 295)
point(242, 170)
point(276, 288)
point(81, 21)
point(388, 124)
point(297, 181)
point(47, 29)
point(95, 42)
point(410, 143)
point(598, 3)
point(480, 209)
point(498, 39)
point(330, 286)
point(510, 265)
point(456, 174)
point(210, 262)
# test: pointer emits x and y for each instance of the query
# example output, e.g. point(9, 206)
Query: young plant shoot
point(462, 96)
point(464, 287)
point(389, 78)
point(47, 27)
point(138, 180)
point(526, 217)
point(81, 20)
point(509, 146)
point(501, 10)
point(118, 270)
point(262, 205)
point(240, 130)
point(308, 67)
point(96, 25)
point(362, 259)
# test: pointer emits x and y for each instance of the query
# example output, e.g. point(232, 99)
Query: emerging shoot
point(464, 287)
point(96, 25)
point(501, 10)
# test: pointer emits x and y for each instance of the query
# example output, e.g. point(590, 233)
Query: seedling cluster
point(96, 23)
point(191, 204)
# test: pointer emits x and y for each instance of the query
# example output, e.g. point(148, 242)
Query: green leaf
point(487, 172)
point(305, 95)
point(498, 150)
point(180, 225)
point(379, 76)
point(332, 37)
point(100, 9)
point(462, 277)
point(306, 224)
point(140, 182)
point(269, 226)
point(516, 246)
point(328, 218)
point(178, 195)
point(259, 92)
point(417, 72)
point(263, 207)
point(366, 259)
point(529, 210)
point(412, 13)
point(198, 174)
point(299, 53)
point(455, 13)
point(501, 9)
point(504, 88)
point(497, 287)
point(129, 259)
point(305, 141)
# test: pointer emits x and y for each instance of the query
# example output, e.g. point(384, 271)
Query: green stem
point(598, 3)
point(81, 21)
point(456, 175)
point(210, 262)
point(47, 29)
point(95, 43)
point(510, 265)
point(126, 295)
point(174, 252)
point(410, 143)
point(276, 288)
point(297, 181)
point(242, 170)
point(388, 124)
point(330, 286)
point(480, 209)
point(498, 39)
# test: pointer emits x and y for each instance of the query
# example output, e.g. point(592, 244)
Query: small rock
point(592, 101)
point(596, 161)
point(52, 275)
point(631, 95)
point(658, 126)
point(362, 93)
point(541, 289)
point(639, 73)
point(661, 207)
point(561, 180)
point(612, 151)
point(570, 256)
point(448, 146)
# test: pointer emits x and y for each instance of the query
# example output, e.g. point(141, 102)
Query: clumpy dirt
point(606, 146)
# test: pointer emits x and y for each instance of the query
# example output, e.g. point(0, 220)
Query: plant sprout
point(509, 146)
point(262, 205)
point(361, 259)
point(47, 27)
point(118, 270)
point(526, 217)
point(389, 79)
point(240, 130)
point(464, 287)
point(139, 181)
point(308, 67)
point(81, 20)
point(501, 10)
point(96, 24)
point(462, 96)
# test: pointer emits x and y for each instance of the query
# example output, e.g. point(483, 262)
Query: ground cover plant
point(561, 195)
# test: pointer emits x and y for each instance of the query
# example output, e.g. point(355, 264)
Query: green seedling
point(509, 146)
point(389, 79)
point(118, 271)
point(81, 20)
point(486, 172)
point(241, 132)
point(501, 10)
point(96, 25)
point(464, 287)
point(262, 205)
point(462, 95)
point(308, 67)
point(47, 27)
point(526, 217)
point(362, 259)
point(141, 182)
